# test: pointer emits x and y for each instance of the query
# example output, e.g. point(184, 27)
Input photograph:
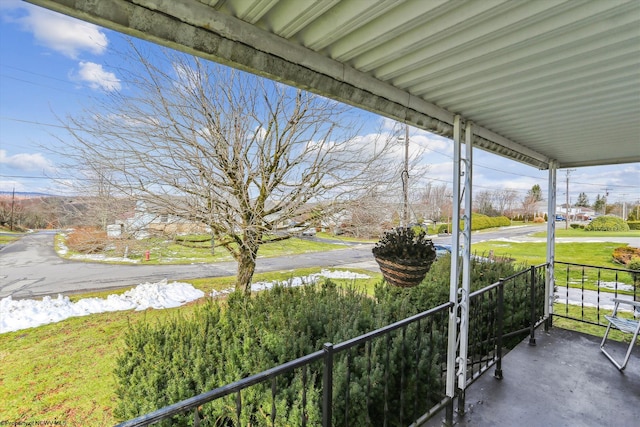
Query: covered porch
point(553, 85)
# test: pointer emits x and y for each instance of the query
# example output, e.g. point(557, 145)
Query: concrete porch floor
point(564, 380)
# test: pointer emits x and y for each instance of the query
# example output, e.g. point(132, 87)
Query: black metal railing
point(394, 375)
point(500, 314)
point(585, 292)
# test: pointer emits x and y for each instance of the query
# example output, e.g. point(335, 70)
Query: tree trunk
point(248, 253)
point(246, 268)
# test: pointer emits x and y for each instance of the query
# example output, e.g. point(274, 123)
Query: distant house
point(575, 213)
point(150, 220)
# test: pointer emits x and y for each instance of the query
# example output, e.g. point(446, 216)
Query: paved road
point(30, 268)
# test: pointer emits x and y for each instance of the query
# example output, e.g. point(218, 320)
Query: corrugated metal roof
point(541, 80)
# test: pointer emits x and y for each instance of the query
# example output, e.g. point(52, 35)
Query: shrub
point(538, 220)
point(87, 240)
point(577, 226)
point(201, 241)
point(166, 362)
point(633, 225)
point(607, 223)
point(625, 254)
point(480, 222)
point(634, 264)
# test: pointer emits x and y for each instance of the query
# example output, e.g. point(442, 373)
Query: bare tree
point(227, 149)
point(483, 201)
point(504, 200)
point(435, 202)
point(528, 206)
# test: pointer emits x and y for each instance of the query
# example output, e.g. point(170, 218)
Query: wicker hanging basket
point(404, 257)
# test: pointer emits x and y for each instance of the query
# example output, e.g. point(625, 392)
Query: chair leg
point(633, 341)
point(606, 353)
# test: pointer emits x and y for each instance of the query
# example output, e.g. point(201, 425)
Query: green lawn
point(6, 239)
point(163, 251)
point(532, 253)
point(572, 232)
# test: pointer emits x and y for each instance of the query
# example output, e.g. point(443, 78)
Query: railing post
point(532, 335)
point(327, 385)
point(498, 373)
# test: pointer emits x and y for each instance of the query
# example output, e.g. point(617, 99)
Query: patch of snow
point(103, 258)
point(299, 281)
point(28, 313)
point(616, 285)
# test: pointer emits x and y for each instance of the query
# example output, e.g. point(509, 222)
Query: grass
point(533, 253)
point(587, 314)
point(592, 253)
point(163, 251)
point(573, 232)
point(64, 371)
point(11, 236)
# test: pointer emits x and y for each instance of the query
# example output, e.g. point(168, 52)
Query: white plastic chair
point(626, 325)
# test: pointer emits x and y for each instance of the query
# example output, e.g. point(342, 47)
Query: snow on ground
point(28, 313)
point(299, 281)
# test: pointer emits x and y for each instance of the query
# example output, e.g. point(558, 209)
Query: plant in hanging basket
point(404, 256)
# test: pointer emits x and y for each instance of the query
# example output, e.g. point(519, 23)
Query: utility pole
point(566, 220)
point(606, 194)
point(13, 200)
point(405, 177)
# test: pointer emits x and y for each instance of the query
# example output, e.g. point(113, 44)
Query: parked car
point(560, 218)
point(442, 250)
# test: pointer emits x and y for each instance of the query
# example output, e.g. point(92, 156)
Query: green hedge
point(480, 222)
point(633, 225)
point(166, 362)
point(607, 223)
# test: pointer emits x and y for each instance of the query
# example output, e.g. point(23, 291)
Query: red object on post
point(146, 256)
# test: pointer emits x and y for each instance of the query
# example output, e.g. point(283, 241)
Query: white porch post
point(466, 264)
point(453, 282)
point(551, 240)
point(459, 296)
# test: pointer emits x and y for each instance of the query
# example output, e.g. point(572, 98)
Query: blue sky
point(51, 64)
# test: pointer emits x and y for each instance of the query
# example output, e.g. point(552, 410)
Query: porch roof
point(545, 80)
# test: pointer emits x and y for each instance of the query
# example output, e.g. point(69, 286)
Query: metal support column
point(459, 295)
point(452, 346)
point(464, 291)
point(551, 241)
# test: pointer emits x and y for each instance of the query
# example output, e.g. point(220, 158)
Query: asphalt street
point(31, 268)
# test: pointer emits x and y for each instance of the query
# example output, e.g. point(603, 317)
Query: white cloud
point(97, 77)
point(61, 33)
point(27, 162)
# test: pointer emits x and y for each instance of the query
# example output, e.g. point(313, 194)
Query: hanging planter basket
point(404, 256)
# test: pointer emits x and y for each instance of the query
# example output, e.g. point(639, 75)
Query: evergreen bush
point(607, 223)
point(165, 362)
point(633, 225)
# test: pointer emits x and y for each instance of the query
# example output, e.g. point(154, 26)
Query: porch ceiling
point(545, 80)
